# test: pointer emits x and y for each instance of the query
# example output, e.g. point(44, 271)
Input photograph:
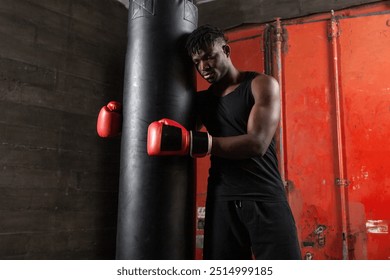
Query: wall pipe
point(277, 74)
point(341, 182)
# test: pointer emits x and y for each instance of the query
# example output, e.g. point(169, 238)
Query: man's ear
point(226, 50)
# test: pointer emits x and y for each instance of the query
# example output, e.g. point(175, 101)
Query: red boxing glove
point(109, 122)
point(167, 137)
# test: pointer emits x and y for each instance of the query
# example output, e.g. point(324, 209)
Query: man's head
point(208, 48)
point(203, 38)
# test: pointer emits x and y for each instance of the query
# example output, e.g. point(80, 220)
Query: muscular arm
point(262, 123)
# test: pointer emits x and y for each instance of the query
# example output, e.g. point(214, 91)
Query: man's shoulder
point(264, 86)
point(258, 77)
point(261, 79)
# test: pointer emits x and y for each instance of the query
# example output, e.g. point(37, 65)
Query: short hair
point(204, 37)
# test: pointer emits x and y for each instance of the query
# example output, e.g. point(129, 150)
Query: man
point(247, 214)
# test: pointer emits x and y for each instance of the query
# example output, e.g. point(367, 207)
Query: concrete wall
point(60, 61)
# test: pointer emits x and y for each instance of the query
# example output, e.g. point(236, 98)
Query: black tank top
point(253, 178)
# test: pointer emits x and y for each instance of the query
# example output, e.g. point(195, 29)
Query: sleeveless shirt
point(256, 178)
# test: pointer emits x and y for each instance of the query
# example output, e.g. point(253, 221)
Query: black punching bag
point(156, 194)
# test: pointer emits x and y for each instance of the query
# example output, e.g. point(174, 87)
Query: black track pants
point(246, 229)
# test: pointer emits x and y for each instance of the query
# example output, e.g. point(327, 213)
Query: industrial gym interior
point(62, 60)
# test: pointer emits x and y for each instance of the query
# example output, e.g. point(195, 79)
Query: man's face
point(212, 63)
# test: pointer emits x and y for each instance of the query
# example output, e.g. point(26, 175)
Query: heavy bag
point(156, 201)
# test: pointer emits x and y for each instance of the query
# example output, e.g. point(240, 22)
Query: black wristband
point(199, 144)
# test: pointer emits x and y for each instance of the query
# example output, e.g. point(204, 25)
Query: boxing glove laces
point(167, 137)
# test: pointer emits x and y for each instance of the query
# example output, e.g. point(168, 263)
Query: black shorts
point(247, 229)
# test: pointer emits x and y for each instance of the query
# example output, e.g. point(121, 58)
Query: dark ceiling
point(232, 13)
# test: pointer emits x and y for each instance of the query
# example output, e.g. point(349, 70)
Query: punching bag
point(156, 194)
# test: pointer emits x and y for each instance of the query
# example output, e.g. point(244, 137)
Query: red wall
point(334, 221)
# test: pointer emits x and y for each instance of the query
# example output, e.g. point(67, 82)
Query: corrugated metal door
point(330, 209)
point(365, 84)
point(310, 143)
